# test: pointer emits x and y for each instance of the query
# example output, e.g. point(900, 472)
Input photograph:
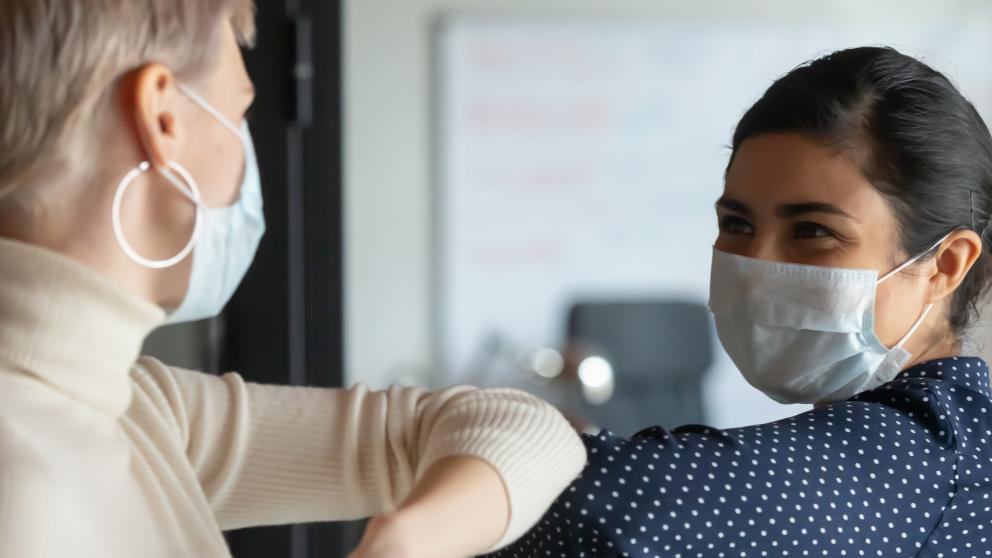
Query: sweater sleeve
point(267, 454)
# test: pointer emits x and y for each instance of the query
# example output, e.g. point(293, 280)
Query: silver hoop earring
point(190, 190)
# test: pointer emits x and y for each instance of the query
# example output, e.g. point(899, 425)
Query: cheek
point(218, 169)
point(897, 307)
point(729, 244)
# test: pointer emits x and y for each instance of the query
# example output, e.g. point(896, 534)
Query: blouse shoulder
point(878, 471)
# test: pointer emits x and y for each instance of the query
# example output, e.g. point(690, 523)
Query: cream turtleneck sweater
point(104, 454)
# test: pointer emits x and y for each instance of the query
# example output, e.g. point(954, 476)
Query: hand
point(386, 537)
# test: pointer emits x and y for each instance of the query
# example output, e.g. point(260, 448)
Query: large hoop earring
point(190, 190)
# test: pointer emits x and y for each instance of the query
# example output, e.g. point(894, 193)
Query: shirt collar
point(970, 371)
point(69, 326)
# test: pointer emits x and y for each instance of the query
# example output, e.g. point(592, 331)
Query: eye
point(732, 224)
point(812, 230)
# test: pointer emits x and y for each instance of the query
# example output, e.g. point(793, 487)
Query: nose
point(762, 247)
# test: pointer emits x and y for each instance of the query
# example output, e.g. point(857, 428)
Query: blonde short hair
point(59, 60)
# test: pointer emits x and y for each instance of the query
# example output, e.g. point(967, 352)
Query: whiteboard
point(580, 158)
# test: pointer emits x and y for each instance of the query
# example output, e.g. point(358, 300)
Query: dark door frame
point(284, 325)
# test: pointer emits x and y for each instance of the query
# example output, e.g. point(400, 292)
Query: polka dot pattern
point(901, 470)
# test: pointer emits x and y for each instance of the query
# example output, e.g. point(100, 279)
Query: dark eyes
point(812, 230)
point(732, 224)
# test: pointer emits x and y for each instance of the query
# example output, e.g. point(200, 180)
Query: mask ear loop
point(190, 190)
point(210, 109)
point(916, 326)
point(928, 307)
point(914, 259)
point(238, 132)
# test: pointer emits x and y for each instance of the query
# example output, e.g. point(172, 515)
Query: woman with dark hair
point(851, 259)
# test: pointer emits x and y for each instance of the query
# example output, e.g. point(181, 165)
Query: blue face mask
point(804, 334)
point(224, 239)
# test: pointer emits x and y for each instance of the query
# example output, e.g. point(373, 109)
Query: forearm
point(462, 497)
point(489, 463)
point(458, 508)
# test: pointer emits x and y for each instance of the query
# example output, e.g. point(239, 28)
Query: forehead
point(782, 168)
point(230, 49)
point(228, 75)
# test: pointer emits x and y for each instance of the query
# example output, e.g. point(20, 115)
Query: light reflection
point(596, 375)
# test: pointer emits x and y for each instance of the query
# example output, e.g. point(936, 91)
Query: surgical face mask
point(224, 239)
point(804, 334)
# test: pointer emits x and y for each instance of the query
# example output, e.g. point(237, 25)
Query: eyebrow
point(786, 211)
point(734, 205)
point(799, 209)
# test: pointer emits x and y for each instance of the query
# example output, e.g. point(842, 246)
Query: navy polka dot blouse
point(901, 470)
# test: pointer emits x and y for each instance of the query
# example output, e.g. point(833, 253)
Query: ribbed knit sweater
point(106, 454)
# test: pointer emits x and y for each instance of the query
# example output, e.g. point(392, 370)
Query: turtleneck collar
point(69, 326)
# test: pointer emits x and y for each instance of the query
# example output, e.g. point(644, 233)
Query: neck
point(80, 235)
point(68, 326)
point(944, 346)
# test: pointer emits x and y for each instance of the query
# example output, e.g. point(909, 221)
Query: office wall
point(389, 205)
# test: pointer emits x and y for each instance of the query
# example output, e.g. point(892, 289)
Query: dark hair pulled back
point(914, 137)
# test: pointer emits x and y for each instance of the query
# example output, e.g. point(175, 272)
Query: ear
point(154, 99)
point(954, 259)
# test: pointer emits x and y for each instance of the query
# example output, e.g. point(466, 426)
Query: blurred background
point(519, 193)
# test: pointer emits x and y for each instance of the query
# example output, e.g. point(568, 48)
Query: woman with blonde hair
point(129, 197)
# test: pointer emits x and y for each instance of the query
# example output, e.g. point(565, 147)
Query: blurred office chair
point(647, 358)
